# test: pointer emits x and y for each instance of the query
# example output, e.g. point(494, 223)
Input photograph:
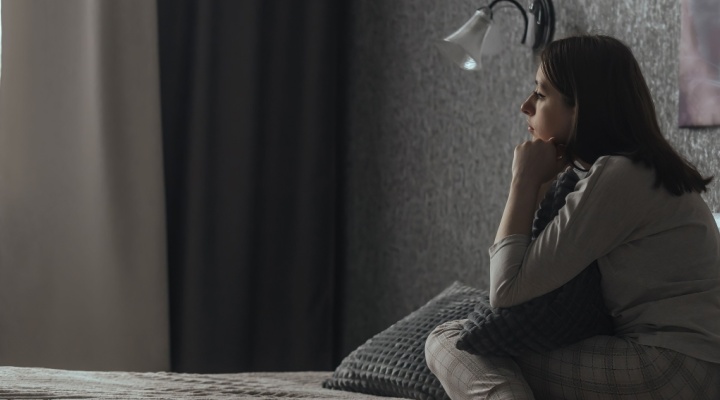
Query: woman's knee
point(440, 344)
point(467, 376)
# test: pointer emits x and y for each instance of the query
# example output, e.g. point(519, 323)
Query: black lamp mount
point(544, 16)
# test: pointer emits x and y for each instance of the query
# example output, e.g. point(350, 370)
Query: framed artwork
point(699, 63)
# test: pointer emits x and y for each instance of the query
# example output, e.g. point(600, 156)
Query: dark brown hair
point(614, 111)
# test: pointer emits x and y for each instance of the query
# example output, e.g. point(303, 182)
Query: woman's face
point(548, 116)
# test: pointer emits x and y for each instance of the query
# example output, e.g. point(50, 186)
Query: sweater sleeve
point(601, 214)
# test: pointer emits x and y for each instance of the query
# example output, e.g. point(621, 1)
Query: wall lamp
point(465, 46)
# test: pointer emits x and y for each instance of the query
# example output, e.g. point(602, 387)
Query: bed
point(40, 383)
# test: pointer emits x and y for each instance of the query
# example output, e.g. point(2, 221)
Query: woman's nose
point(527, 107)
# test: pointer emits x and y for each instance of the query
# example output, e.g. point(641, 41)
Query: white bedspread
point(41, 383)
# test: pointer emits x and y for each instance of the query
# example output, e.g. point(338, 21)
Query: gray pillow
point(573, 312)
point(392, 363)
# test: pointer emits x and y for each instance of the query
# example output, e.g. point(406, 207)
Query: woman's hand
point(535, 163)
point(538, 161)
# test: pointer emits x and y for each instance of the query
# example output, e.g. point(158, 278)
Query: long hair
point(614, 111)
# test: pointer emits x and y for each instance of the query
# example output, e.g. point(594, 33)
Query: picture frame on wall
point(699, 78)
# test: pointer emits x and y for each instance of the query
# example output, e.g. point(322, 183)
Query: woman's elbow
point(502, 296)
point(497, 300)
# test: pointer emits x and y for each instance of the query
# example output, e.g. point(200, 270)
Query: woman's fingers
point(538, 161)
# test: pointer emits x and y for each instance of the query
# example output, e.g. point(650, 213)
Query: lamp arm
point(522, 10)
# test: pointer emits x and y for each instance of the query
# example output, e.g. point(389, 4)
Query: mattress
point(42, 383)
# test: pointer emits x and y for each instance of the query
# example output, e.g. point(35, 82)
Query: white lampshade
point(479, 37)
point(465, 46)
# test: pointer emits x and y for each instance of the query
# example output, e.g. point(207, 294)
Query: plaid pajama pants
point(602, 367)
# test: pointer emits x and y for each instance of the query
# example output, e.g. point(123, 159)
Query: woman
point(637, 211)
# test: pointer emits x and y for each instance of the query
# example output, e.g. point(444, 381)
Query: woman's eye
point(538, 94)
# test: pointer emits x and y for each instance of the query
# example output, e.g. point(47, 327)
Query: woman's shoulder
point(620, 171)
point(617, 163)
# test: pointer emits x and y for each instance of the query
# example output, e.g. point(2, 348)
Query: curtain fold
point(251, 124)
point(82, 244)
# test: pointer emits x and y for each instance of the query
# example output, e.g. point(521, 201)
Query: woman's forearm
point(535, 162)
point(519, 210)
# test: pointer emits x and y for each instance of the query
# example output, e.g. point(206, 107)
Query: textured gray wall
point(431, 145)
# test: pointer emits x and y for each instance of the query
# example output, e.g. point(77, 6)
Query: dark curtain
point(252, 103)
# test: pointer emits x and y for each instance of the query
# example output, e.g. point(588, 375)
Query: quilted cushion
point(392, 363)
point(571, 313)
